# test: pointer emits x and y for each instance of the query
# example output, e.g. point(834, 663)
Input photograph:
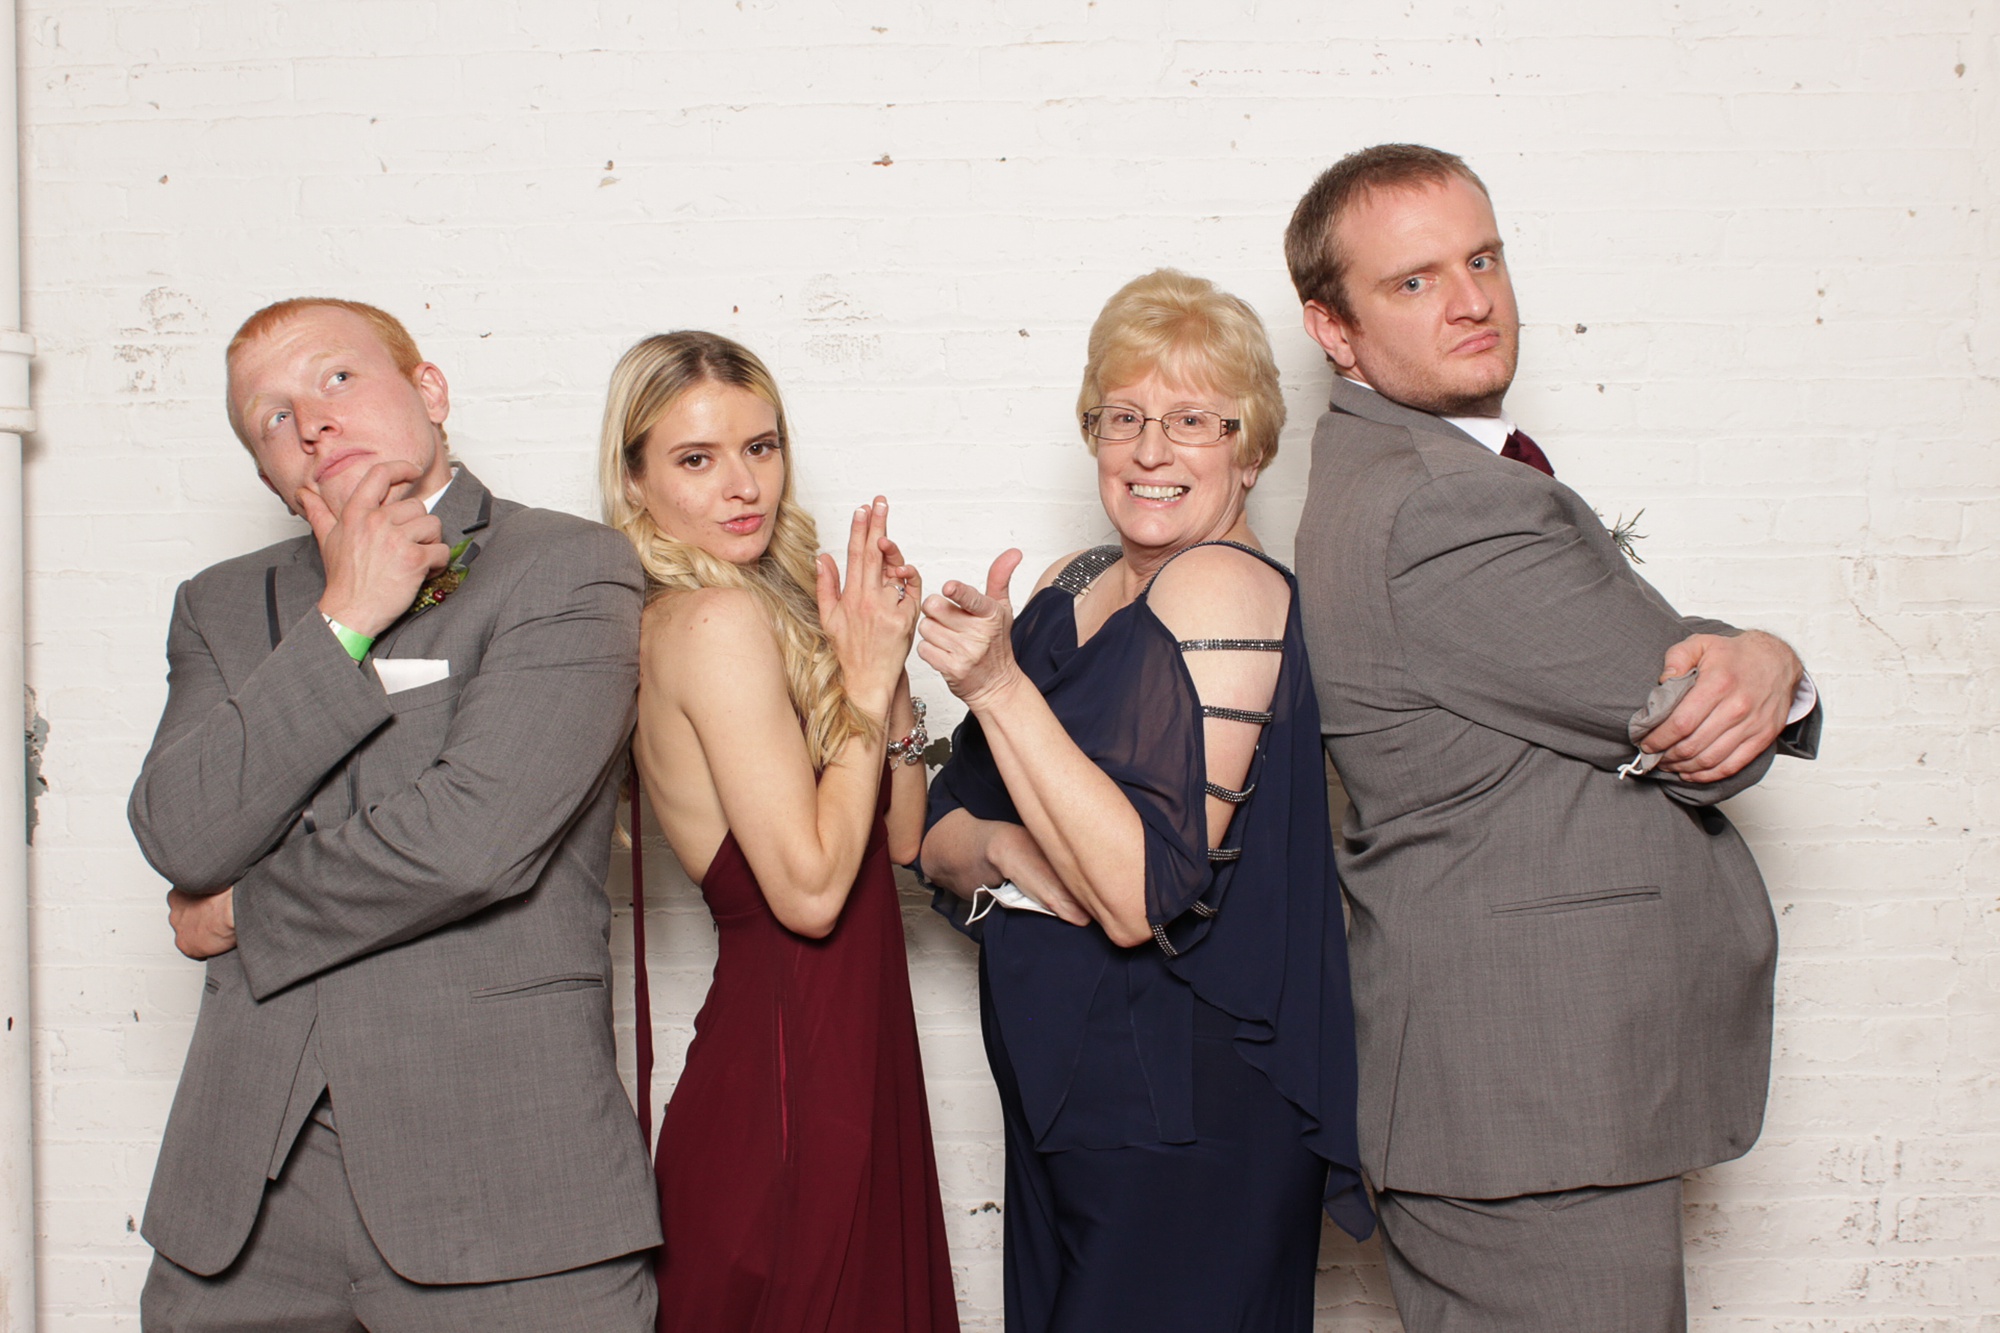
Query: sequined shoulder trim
point(1250, 715)
point(1231, 645)
point(1081, 572)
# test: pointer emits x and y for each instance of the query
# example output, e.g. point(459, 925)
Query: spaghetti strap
point(1237, 546)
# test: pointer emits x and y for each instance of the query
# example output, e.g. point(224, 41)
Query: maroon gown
point(798, 1190)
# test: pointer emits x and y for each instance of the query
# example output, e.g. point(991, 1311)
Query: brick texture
point(1755, 255)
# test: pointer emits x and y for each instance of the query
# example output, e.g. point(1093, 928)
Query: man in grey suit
point(1562, 951)
point(383, 792)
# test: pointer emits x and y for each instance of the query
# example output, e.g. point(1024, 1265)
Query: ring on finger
point(902, 590)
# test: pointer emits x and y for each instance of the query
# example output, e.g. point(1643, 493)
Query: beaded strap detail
point(1231, 645)
point(1081, 572)
point(1254, 717)
point(1237, 714)
point(1160, 938)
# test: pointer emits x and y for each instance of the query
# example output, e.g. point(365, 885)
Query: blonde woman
point(781, 751)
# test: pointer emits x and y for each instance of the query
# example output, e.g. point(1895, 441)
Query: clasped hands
point(1735, 710)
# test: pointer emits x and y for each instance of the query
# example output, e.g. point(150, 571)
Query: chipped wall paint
point(34, 741)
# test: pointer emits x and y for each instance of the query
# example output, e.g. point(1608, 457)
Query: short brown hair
point(395, 339)
point(1192, 330)
point(1319, 269)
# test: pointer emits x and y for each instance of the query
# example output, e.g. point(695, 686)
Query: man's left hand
point(1735, 710)
point(204, 923)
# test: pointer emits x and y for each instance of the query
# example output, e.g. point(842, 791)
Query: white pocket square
point(406, 673)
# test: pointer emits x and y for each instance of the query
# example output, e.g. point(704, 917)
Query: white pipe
point(17, 1130)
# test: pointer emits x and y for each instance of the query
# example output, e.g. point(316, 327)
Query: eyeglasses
point(1190, 426)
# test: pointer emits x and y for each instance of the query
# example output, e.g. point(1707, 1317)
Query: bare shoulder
point(707, 636)
point(1219, 592)
point(706, 610)
point(1049, 574)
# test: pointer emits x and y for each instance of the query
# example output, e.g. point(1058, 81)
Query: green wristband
point(354, 641)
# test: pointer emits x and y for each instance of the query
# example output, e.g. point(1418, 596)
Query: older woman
point(1139, 788)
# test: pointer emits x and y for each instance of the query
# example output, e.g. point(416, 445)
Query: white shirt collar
point(431, 501)
point(1489, 431)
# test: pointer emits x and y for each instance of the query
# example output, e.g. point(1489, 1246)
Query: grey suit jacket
point(422, 927)
point(1561, 978)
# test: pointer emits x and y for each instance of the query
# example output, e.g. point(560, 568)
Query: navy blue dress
point(1177, 1113)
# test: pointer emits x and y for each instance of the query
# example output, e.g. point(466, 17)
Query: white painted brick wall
point(1756, 256)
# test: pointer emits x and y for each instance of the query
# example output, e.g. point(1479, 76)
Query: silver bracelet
point(910, 749)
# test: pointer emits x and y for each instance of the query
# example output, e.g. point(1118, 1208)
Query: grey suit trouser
point(1605, 1259)
point(310, 1267)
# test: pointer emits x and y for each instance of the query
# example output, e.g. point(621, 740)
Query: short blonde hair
point(389, 330)
point(1190, 330)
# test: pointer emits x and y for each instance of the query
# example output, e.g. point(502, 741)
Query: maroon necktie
point(1524, 450)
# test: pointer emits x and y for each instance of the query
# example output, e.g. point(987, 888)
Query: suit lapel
point(1358, 400)
point(466, 507)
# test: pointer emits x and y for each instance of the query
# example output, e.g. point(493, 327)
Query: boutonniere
point(445, 582)
point(1625, 535)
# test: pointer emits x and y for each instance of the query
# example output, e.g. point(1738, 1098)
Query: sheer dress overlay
point(1252, 927)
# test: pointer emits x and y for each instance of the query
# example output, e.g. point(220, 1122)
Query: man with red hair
point(383, 793)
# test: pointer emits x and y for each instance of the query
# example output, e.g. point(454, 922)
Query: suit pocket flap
point(1577, 902)
point(541, 986)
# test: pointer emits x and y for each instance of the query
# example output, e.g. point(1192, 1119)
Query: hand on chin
point(336, 485)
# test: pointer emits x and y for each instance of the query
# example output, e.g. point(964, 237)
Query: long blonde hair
point(649, 379)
